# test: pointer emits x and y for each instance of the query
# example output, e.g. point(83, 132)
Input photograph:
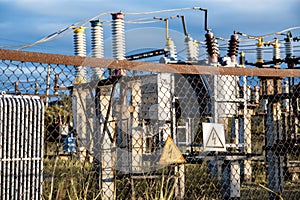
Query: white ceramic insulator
point(288, 48)
point(118, 39)
point(80, 50)
point(97, 42)
point(191, 49)
point(285, 102)
point(259, 53)
point(172, 49)
point(276, 53)
point(79, 44)
point(97, 45)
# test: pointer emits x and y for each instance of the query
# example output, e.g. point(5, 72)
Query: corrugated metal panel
point(21, 147)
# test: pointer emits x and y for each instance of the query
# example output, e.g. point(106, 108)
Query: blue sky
point(26, 21)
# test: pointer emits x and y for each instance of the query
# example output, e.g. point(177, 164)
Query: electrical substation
point(133, 124)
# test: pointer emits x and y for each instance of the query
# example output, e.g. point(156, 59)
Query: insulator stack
point(192, 49)
point(212, 47)
point(259, 55)
point(118, 41)
point(97, 50)
point(288, 46)
point(276, 50)
point(288, 49)
point(170, 46)
point(259, 50)
point(286, 101)
point(233, 47)
point(242, 59)
point(79, 41)
point(79, 50)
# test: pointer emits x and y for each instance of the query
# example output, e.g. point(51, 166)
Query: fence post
point(273, 134)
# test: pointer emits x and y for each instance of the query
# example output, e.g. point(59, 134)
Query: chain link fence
point(203, 134)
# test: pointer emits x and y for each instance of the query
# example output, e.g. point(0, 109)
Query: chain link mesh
point(233, 137)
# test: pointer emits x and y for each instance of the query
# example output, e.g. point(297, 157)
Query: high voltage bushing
point(171, 47)
point(97, 39)
point(118, 41)
point(276, 51)
point(97, 45)
point(259, 50)
point(192, 48)
point(79, 50)
point(288, 45)
point(212, 47)
point(79, 41)
point(233, 47)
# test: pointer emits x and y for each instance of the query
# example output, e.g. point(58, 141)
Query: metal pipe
point(166, 20)
point(167, 28)
point(47, 86)
point(56, 86)
point(205, 17)
point(183, 24)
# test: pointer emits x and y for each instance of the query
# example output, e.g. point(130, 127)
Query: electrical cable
point(160, 11)
point(84, 22)
point(288, 29)
point(269, 34)
point(67, 30)
point(142, 22)
point(57, 33)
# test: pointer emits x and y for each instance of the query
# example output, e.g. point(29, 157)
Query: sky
point(27, 21)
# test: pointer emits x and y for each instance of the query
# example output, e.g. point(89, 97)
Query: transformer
point(141, 111)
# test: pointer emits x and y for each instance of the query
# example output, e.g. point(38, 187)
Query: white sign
point(213, 137)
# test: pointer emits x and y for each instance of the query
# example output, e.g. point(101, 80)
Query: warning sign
point(171, 153)
point(213, 137)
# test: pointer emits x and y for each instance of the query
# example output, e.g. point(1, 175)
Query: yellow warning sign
point(171, 153)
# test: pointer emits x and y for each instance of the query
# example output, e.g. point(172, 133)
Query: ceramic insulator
point(259, 54)
point(191, 48)
point(118, 40)
point(79, 49)
point(276, 53)
point(288, 49)
point(97, 45)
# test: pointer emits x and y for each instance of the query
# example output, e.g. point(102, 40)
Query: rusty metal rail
point(25, 56)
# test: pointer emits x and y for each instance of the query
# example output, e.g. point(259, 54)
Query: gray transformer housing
point(186, 94)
